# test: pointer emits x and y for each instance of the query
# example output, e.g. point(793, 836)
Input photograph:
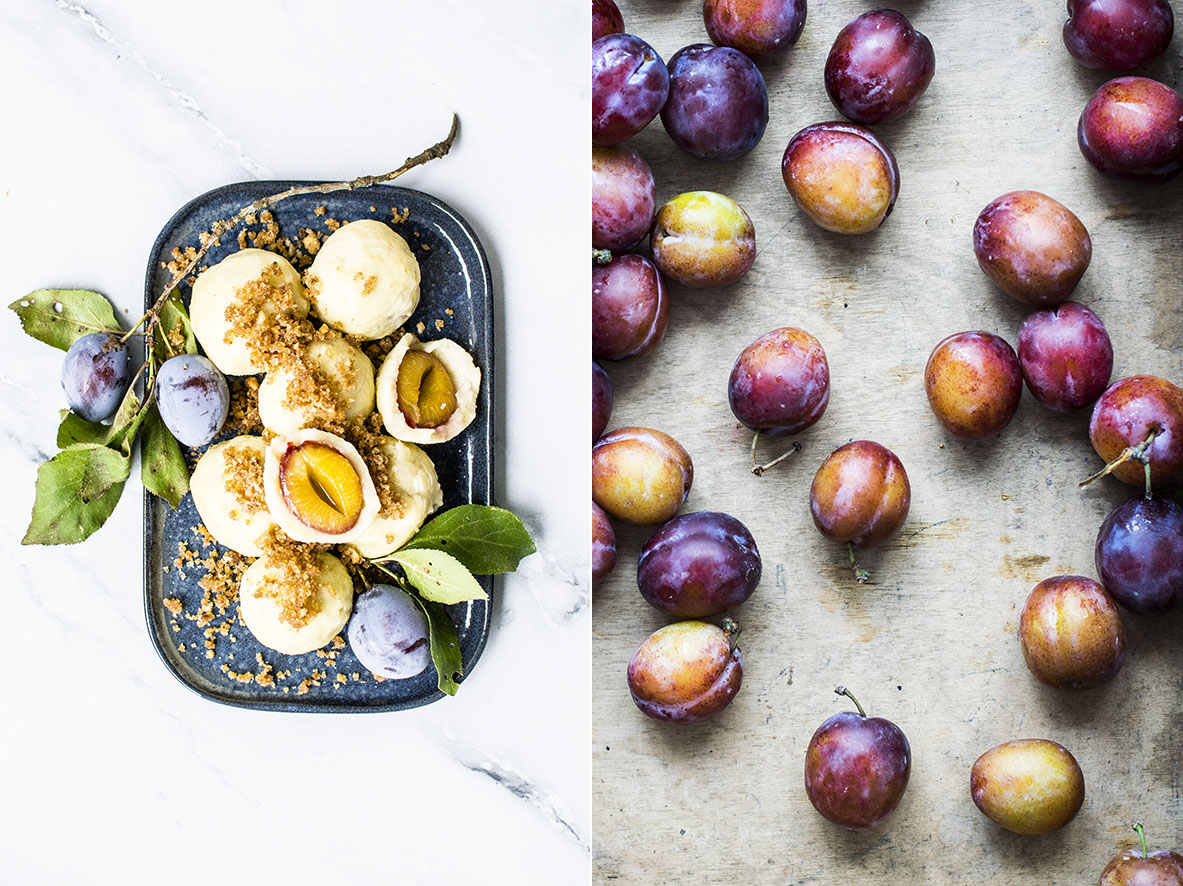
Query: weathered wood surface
point(931, 643)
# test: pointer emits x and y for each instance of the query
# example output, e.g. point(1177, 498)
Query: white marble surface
point(115, 114)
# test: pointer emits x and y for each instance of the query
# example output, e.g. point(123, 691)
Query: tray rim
point(485, 491)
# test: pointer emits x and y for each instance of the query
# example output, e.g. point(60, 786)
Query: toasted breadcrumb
point(367, 436)
point(378, 350)
point(243, 416)
point(244, 477)
point(295, 588)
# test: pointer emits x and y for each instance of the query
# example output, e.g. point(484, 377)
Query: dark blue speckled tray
point(455, 275)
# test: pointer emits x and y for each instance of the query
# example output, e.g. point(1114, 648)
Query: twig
point(759, 470)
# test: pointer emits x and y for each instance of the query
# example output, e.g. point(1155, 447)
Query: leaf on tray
point(162, 466)
point(445, 645)
point(77, 490)
point(59, 317)
point(439, 577)
point(174, 318)
point(487, 540)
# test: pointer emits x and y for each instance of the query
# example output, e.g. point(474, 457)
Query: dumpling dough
point(364, 280)
point(414, 480)
point(221, 286)
point(235, 524)
point(466, 378)
point(261, 613)
point(348, 373)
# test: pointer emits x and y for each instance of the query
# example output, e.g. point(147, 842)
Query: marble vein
point(539, 800)
point(182, 98)
point(558, 608)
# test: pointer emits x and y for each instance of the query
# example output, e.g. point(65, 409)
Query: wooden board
point(931, 643)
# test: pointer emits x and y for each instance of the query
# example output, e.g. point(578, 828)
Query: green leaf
point(100, 471)
point(77, 490)
point(485, 539)
point(445, 645)
point(119, 435)
point(438, 576)
point(75, 429)
point(59, 317)
point(122, 432)
point(174, 316)
point(162, 466)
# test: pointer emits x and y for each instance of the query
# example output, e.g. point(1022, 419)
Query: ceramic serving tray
point(456, 290)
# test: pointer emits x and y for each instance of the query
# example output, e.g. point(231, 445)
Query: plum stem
point(398, 580)
point(1130, 453)
point(860, 575)
point(759, 470)
point(731, 630)
point(1142, 836)
point(842, 690)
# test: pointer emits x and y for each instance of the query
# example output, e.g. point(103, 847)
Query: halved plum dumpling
point(427, 390)
point(321, 487)
point(318, 488)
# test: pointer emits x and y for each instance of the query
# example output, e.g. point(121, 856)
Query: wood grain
point(931, 644)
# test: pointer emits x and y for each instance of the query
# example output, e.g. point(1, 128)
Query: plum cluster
point(1036, 250)
point(1132, 127)
point(191, 393)
point(713, 103)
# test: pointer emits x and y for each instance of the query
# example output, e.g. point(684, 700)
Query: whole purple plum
point(1139, 554)
point(754, 27)
point(624, 198)
point(1032, 247)
point(1118, 35)
point(603, 545)
point(629, 308)
point(879, 67)
point(686, 672)
point(857, 768)
point(1140, 867)
point(842, 176)
point(1143, 412)
point(718, 104)
point(780, 383)
point(388, 633)
point(1132, 128)
point(629, 85)
point(1066, 356)
point(698, 565)
point(96, 373)
point(603, 395)
point(606, 19)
